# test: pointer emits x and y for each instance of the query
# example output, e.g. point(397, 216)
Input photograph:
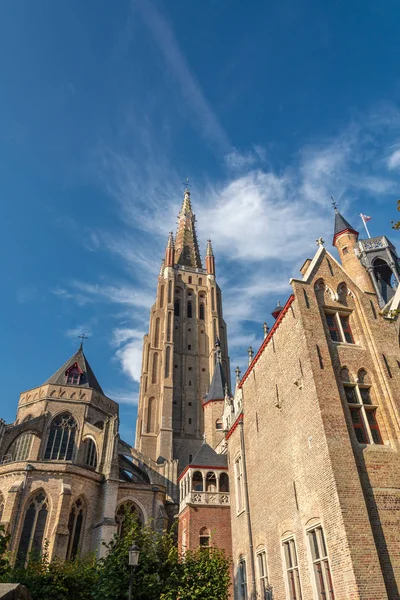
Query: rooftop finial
point(82, 337)
point(266, 330)
point(237, 371)
point(250, 353)
point(209, 250)
point(218, 350)
point(335, 208)
point(170, 243)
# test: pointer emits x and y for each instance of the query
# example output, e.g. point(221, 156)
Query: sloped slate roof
point(217, 387)
point(88, 378)
point(207, 457)
point(341, 224)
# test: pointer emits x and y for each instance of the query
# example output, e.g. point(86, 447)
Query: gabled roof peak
point(87, 378)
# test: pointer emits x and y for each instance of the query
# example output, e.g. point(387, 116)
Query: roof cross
point(186, 183)
point(82, 337)
point(334, 203)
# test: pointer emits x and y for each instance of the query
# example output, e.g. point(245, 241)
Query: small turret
point(345, 239)
point(210, 260)
point(169, 251)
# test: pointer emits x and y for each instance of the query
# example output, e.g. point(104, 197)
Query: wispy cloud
point(196, 104)
point(393, 161)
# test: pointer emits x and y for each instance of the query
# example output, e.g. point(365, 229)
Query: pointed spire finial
point(162, 266)
point(209, 250)
point(237, 371)
point(266, 330)
point(250, 353)
point(204, 438)
point(170, 243)
point(320, 241)
point(334, 204)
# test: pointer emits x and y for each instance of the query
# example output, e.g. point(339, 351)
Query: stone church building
point(295, 472)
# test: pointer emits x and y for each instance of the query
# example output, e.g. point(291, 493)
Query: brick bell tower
point(178, 352)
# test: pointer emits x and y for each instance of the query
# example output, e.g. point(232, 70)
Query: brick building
point(313, 435)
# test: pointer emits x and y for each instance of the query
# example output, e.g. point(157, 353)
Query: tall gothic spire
point(186, 246)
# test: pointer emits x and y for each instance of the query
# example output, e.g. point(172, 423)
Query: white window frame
point(323, 560)
point(363, 410)
point(239, 487)
point(294, 569)
point(242, 583)
point(336, 314)
point(263, 581)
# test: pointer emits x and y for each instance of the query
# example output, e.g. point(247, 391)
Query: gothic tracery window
point(75, 523)
point(125, 511)
point(61, 440)
point(33, 528)
point(21, 447)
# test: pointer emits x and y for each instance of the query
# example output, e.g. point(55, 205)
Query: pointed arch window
point(176, 307)
point(155, 368)
point(125, 512)
point(21, 447)
point(167, 360)
point(162, 296)
point(90, 453)
point(75, 525)
point(201, 311)
point(169, 326)
point(61, 440)
point(189, 309)
point(157, 333)
point(33, 528)
point(151, 415)
point(169, 291)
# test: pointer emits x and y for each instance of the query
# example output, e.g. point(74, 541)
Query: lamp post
point(133, 563)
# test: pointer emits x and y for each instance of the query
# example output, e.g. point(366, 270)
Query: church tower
point(186, 323)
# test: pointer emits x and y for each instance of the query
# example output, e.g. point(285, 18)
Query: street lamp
point(134, 553)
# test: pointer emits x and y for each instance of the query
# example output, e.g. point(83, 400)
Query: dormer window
point(73, 375)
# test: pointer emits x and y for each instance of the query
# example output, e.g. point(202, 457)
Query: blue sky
point(106, 107)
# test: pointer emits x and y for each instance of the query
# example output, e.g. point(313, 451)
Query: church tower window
point(155, 368)
point(176, 307)
point(151, 413)
point(33, 528)
point(61, 440)
point(189, 309)
point(201, 312)
point(292, 569)
point(75, 523)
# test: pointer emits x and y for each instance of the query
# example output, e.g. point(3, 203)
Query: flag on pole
point(365, 218)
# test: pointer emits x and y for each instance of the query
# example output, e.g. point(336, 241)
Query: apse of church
point(178, 352)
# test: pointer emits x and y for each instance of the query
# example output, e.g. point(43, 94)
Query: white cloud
point(393, 162)
point(124, 396)
point(124, 294)
point(129, 353)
